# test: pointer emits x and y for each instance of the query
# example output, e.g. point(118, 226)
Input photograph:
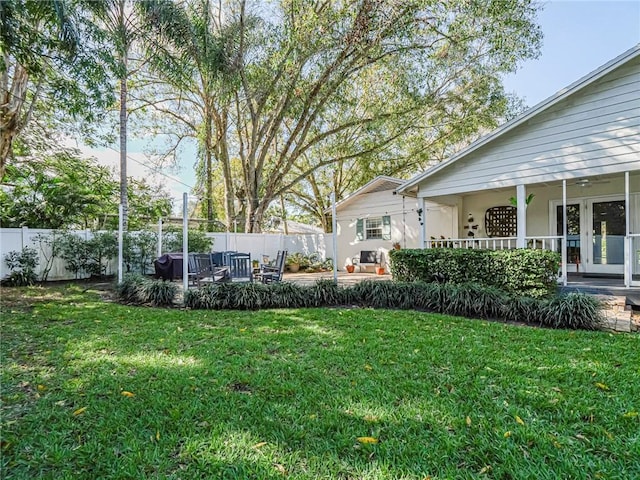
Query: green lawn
point(295, 393)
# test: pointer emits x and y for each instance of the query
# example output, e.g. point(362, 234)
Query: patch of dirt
point(24, 298)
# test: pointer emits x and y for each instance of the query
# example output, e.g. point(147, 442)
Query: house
point(574, 156)
point(375, 217)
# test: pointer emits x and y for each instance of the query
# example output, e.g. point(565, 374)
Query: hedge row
point(527, 272)
point(574, 311)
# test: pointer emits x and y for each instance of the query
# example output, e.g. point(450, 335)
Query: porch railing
point(541, 242)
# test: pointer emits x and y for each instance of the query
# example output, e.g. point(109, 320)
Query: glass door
point(574, 259)
point(606, 235)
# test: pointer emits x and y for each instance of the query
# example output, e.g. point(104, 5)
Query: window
point(373, 228)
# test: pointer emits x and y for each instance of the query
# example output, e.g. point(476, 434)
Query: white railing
point(546, 242)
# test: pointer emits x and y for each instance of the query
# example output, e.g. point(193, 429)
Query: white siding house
point(578, 153)
point(374, 217)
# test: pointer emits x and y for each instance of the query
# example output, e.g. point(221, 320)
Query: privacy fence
point(257, 244)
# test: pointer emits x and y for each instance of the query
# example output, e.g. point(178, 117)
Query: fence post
point(23, 237)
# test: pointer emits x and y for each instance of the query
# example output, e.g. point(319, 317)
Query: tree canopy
point(299, 85)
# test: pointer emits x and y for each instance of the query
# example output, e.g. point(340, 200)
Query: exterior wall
point(405, 228)
point(595, 131)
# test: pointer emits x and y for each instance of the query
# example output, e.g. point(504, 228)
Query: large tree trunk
point(12, 103)
point(208, 153)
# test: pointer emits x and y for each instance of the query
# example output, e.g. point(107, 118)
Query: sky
point(579, 37)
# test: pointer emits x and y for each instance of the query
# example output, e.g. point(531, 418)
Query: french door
point(595, 234)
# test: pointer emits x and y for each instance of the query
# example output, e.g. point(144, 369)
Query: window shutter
point(386, 227)
point(360, 229)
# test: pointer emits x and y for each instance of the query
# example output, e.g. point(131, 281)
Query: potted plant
point(294, 261)
point(350, 268)
point(380, 270)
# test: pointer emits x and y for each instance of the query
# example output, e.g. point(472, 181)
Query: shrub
point(102, 247)
point(521, 272)
point(139, 250)
point(327, 294)
point(129, 291)
point(574, 311)
point(158, 293)
point(23, 267)
point(136, 289)
point(197, 241)
point(74, 251)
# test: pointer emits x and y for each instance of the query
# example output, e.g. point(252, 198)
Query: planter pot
point(350, 268)
point(294, 267)
point(380, 270)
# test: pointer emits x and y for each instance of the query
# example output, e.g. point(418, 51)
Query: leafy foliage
point(574, 311)
point(520, 272)
point(158, 293)
point(101, 247)
point(23, 267)
point(197, 241)
point(129, 290)
point(64, 190)
point(136, 289)
point(309, 85)
point(139, 249)
point(74, 250)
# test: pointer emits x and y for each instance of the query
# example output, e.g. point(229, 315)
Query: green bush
point(129, 290)
point(574, 311)
point(197, 241)
point(159, 293)
point(136, 289)
point(519, 272)
point(23, 267)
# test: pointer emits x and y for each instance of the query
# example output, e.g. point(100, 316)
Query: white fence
point(257, 244)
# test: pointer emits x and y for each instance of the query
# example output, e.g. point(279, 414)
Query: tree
point(191, 83)
point(58, 190)
point(360, 79)
point(51, 65)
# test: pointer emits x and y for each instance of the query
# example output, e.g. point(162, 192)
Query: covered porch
point(596, 218)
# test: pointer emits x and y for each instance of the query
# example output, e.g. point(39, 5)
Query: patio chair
point(240, 269)
point(205, 271)
point(273, 273)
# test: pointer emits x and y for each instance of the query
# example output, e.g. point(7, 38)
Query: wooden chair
point(206, 271)
point(273, 273)
point(240, 269)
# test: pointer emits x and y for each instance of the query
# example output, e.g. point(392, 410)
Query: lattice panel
point(501, 221)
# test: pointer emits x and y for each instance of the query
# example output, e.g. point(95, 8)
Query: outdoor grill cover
point(169, 266)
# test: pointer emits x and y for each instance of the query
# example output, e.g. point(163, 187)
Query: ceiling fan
point(588, 182)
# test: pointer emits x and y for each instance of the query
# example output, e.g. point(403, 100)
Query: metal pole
point(159, 237)
point(120, 241)
point(185, 242)
point(334, 228)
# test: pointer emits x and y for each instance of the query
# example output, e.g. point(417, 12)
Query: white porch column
point(627, 238)
point(565, 224)
point(423, 223)
point(521, 197)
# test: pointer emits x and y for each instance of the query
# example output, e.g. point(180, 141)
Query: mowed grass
point(92, 389)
